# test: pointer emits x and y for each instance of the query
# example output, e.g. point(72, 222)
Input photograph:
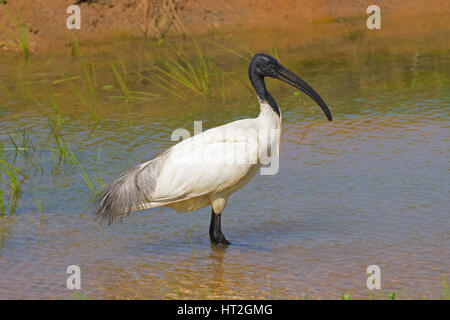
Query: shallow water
point(369, 188)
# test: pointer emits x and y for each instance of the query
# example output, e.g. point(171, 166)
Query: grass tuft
point(19, 37)
point(446, 289)
point(182, 74)
point(6, 168)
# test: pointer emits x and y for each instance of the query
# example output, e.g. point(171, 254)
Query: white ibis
point(202, 170)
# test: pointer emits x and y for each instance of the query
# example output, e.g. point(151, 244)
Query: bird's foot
point(220, 239)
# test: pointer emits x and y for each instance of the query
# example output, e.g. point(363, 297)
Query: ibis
point(202, 170)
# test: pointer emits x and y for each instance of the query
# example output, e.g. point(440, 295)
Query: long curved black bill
point(289, 77)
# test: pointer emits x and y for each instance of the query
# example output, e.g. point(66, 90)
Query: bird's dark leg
point(215, 229)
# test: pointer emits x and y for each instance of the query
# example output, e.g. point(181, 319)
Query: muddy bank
point(43, 23)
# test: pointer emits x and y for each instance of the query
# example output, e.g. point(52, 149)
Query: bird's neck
point(268, 118)
point(264, 96)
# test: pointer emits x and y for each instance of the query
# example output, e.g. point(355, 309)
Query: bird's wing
point(207, 163)
point(194, 171)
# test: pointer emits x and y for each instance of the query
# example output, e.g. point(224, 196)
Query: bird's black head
point(263, 65)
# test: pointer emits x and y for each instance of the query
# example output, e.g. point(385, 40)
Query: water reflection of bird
point(208, 167)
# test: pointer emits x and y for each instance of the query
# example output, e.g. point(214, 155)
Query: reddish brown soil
point(45, 20)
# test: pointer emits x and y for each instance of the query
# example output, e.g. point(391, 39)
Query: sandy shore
point(45, 20)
